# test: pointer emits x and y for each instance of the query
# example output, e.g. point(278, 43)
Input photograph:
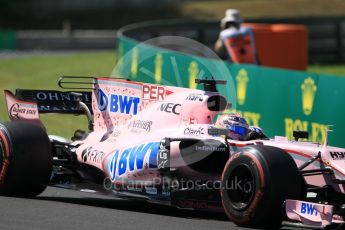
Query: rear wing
point(46, 101)
point(27, 104)
point(53, 101)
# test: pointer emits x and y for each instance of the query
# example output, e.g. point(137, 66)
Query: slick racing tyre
point(25, 159)
point(255, 183)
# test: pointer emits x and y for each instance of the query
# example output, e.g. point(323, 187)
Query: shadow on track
point(137, 206)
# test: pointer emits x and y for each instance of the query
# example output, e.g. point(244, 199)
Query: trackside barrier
point(277, 100)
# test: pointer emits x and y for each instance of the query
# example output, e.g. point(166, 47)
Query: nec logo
point(170, 108)
point(118, 103)
point(309, 209)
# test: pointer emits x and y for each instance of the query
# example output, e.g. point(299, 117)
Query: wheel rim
point(240, 187)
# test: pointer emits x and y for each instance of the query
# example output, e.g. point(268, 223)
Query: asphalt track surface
point(64, 209)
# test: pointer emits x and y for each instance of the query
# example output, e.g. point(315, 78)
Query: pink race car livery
point(163, 144)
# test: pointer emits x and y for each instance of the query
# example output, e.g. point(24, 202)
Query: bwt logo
point(308, 209)
point(134, 158)
point(117, 103)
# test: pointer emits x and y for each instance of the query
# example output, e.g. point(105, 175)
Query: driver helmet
point(237, 126)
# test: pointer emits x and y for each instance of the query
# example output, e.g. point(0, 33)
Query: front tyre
point(25, 159)
point(256, 182)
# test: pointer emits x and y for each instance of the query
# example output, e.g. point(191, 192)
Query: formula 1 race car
point(161, 144)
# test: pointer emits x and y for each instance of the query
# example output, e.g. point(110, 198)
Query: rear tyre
point(25, 159)
point(256, 182)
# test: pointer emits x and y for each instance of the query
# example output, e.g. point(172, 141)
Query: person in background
point(236, 42)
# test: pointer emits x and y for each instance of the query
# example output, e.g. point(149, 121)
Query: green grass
point(42, 72)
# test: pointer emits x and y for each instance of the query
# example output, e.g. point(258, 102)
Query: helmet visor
point(238, 129)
